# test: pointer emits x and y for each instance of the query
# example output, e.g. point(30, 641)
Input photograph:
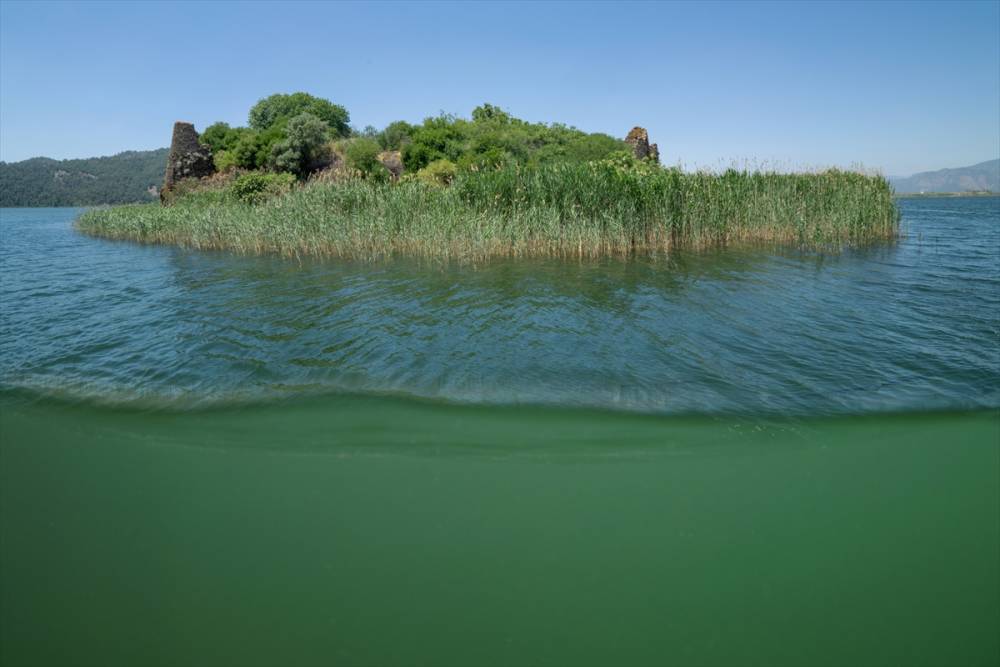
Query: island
point(298, 180)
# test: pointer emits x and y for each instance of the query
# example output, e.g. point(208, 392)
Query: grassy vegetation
point(612, 206)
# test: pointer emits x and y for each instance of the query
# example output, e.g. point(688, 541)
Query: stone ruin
point(393, 162)
point(188, 158)
point(638, 139)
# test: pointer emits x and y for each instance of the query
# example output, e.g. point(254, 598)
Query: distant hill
point(132, 176)
point(982, 176)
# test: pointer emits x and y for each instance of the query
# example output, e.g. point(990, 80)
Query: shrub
point(417, 156)
point(253, 150)
point(592, 147)
point(442, 137)
point(362, 155)
point(303, 149)
point(224, 161)
point(492, 158)
point(395, 135)
point(439, 172)
point(257, 187)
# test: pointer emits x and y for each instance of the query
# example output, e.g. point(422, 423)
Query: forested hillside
point(131, 176)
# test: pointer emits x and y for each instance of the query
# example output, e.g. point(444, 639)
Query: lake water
point(726, 458)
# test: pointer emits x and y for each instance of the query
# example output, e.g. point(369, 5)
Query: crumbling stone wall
point(638, 139)
point(188, 158)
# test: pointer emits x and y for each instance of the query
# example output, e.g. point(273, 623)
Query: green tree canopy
point(493, 137)
point(253, 148)
point(278, 107)
point(220, 137)
point(490, 138)
point(489, 112)
point(395, 135)
point(442, 137)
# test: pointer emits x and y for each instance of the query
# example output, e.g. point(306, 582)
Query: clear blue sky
point(895, 86)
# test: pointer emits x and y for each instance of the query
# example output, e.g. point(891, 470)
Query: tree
point(220, 137)
point(278, 107)
point(304, 147)
point(395, 135)
point(488, 112)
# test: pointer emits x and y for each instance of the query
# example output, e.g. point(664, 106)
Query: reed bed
point(565, 210)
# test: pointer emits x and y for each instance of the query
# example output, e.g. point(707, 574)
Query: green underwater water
point(743, 457)
point(367, 530)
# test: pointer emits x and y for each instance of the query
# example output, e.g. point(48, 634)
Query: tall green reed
point(591, 209)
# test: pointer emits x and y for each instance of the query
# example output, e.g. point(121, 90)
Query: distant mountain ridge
point(978, 177)
point(132, 176)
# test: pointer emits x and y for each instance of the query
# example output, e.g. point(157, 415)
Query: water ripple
point(913, 325)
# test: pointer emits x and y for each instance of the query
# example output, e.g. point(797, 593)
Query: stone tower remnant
point(188, 158)
point(638, 139)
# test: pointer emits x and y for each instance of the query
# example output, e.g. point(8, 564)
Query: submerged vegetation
point(298, 181)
